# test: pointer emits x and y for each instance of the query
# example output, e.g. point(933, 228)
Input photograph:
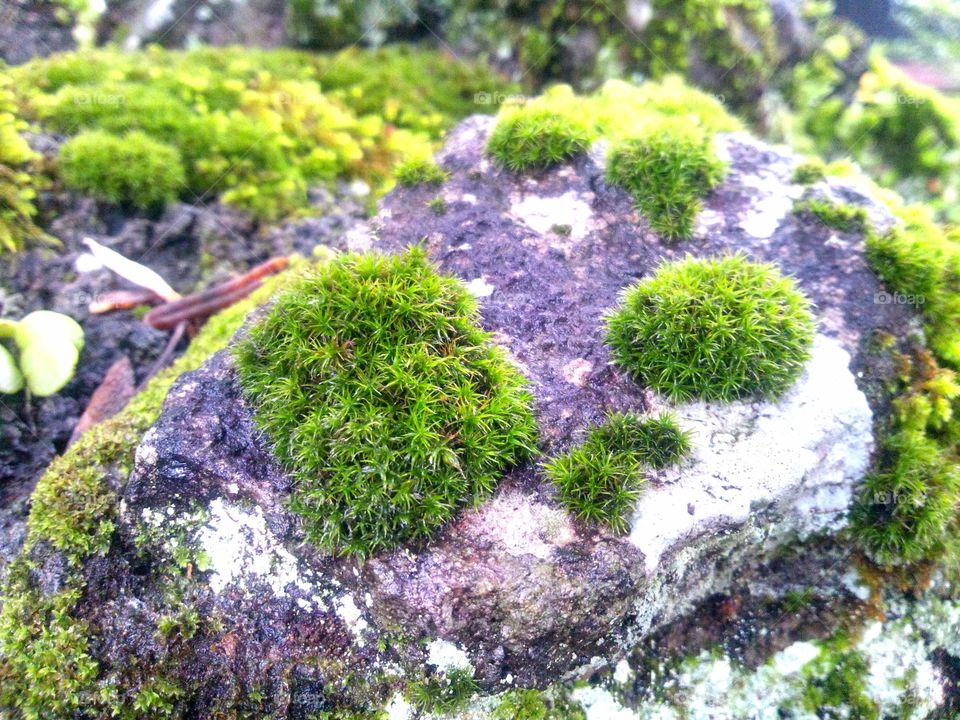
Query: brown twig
point(205, 303)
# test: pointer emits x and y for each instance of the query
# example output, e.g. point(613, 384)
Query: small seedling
point(536, 138)
point(716, 329)
point(601, 479)
point(49, 345)
point(667, 172)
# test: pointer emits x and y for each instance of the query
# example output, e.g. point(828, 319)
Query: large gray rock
point(517, 591)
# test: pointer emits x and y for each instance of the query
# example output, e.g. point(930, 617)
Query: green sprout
point(601, 479)
point(716, 329)
point(420, 171)
point(444, 694)
point(384, 399)
point(536, 138)
point(49, 345)
point(667, 172)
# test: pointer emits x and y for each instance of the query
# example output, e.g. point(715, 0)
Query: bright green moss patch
point(536, 138)
point(921, 261)
point(908, 507)
point(384, 399)
point(667, 173)
point(444, 694)
point(130, 169)
point(836, 684)
point(601, 479)
point(17, 188)
point(46, 666)
point(420, 171)
point(256, 128)
point(845, 218)
point(716, 329)
point(809, 172)
point(536, 705)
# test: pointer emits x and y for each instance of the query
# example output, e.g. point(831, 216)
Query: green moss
point(717, 329)
point(437, 205)
point(809, 172)
point(667, 173)
point(536, 705)
point(536, 137)
point(601, 479)
point(18, 188)
point(444, 693)
point(908, 508)
point(836, 684)
point(845, 218)
point(47, 668)
point(420, 171)
point(255, 128)
point(384, 400)
point(133, 169)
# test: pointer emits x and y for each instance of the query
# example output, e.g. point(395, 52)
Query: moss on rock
point(384, 400)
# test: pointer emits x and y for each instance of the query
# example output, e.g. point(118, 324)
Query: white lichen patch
point(799, 458)
point(899, 667)
point(519, 525)
point(562, 220)
point(242, 552)
point(352, 617)
point(480, 288)
point(576, 372)
point(446, 657)
point(940, 621)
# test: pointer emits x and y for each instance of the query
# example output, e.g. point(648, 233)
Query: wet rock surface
point(518, 588)
point(33, 28)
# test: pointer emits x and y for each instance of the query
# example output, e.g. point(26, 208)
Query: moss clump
point(256, 128)
point(17, 189)
point(601, 479)
point(908, 508)
point(420, 171)
point(535, 705)
point(384, 400)
point(536, 138)
point(809, 172)
point(444, 694)
point(921, 260)
point(667, 173)
point(844, 218)
point(133, 169)
point(836, 684)
point(716, 329)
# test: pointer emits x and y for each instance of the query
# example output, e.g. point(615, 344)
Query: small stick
point(164, 357)
point(123, 300)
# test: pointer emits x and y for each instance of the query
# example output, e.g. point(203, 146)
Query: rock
point(34, 28)
point(517, 592)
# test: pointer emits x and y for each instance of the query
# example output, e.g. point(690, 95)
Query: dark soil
point(33, 28)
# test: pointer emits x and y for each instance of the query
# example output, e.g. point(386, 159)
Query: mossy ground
point(716, 329)
point(47, 668)
point(384, 400)
point(254, 128)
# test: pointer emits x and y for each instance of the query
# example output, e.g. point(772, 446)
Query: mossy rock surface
point(204, 596)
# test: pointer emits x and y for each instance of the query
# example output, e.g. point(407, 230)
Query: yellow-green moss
point(845, 218)
point(257, 127)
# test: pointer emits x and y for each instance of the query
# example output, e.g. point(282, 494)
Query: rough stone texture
point(518, 588)
point(32, 28)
